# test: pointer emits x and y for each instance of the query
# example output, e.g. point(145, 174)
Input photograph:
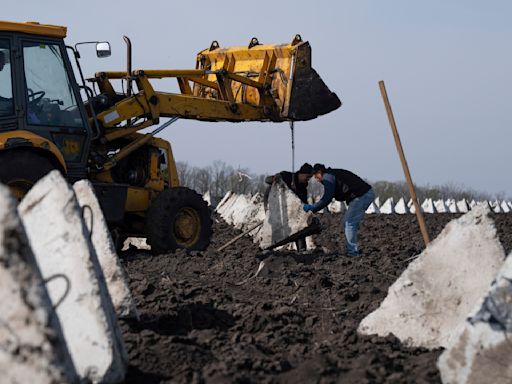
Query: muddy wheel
point(178, 218)
point(21, 169)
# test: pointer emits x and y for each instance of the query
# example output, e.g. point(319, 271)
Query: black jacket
point(348, 185)
point(292, 181)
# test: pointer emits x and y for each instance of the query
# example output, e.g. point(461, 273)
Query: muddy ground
point(295, 322)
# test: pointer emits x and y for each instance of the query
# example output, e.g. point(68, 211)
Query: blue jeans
point(353, 217)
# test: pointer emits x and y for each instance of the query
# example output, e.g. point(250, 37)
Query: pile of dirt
point(205, 319)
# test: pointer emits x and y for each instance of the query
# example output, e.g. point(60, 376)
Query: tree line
point(220, 178)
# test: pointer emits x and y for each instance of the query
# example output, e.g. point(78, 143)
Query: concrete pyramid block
point(428, 206)
point(32, 346)
point(495, 206)
point(481, 352)
point(472, 204)
point(105, 250)
point(452, 206)
point(388, 206)
point(440, 206)
point(137, 242)
point(401, 207)
point(284, 216)
point(207, 197)
point(372, 209)
point(410, 205)
point(505, 207)
point(509, 204)
point(222, 202)
point(249, 212)
point(61, 244)
point(428, 304)
point(336, 206)
point(463, 206)
point(377, 202)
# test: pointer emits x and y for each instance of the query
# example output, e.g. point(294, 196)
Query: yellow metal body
point(20, 139)
point(34, 28)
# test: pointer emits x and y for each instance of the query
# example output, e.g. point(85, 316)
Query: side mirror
point(103, 49)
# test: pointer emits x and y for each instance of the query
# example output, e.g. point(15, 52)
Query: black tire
point(178, 218)
point(20, 169)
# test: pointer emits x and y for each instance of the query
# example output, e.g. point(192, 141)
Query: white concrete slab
point(410, 205)
point(32, 346)
point(452, 206)
point(61, 245)
point(377, 202)
point(481, 352)
point(105, 250)
point(428, 304)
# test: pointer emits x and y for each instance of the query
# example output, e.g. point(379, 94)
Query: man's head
point(318, 172)
point(304, 173)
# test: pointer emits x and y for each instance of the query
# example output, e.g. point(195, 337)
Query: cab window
point(6, 104)
point(50, 97)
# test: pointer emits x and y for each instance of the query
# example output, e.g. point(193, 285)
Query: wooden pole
point(399, 148)
point(238, 237)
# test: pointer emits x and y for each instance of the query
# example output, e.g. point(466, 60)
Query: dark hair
point(318, 167)
point(306, 168)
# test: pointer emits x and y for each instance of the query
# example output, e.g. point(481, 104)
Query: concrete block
point(440, 206)
point(336, 206)
point(32, 346)
point(504, 207)
point(137, 242)
point(388, 206)
point(284, 217)
point(428, 304)
point(428, 206)
point(372, 208)
point(207, 197)
point(495, 206)
point(463, 206)
point(401, 207)
point(410, 205)
point(481, 352)
point(377, 202)
point(222, 202)
point(452, 206)
point(105, 250)
point(61, 244)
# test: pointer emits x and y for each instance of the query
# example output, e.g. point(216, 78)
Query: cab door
point(52, 104)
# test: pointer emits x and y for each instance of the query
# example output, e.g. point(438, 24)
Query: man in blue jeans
point(345, 186)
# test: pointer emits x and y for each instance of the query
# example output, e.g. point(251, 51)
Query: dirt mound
point(206, 318)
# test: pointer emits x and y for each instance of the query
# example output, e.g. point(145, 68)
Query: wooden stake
point(391, 118)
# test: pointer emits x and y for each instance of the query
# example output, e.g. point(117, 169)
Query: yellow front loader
point(44, 124)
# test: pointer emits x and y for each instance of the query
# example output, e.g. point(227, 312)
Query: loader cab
point(40, 103)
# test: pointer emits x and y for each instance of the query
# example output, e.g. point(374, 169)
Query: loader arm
point(255, 83)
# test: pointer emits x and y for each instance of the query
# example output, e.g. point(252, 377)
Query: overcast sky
point(447, 67)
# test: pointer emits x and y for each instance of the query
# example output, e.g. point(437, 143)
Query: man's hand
point(307, 207)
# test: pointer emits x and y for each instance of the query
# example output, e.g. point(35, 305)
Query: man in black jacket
point(344, 185)
point(298, 183)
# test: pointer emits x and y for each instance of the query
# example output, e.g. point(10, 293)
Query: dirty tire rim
point(187, 227)
point(20, 187)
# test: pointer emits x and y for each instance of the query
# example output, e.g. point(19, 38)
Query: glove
point(307, 207)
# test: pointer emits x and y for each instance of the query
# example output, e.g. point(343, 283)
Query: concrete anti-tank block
point(388, 206)
point(481, 353)
point(32, 346)
point(428, 304)
point(284, 216)
point(401, 207)
point(105, 250)
point(61, 245)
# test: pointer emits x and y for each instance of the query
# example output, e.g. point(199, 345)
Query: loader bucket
point(278, 77)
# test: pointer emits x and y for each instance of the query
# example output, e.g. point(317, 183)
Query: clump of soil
point(206, 319)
